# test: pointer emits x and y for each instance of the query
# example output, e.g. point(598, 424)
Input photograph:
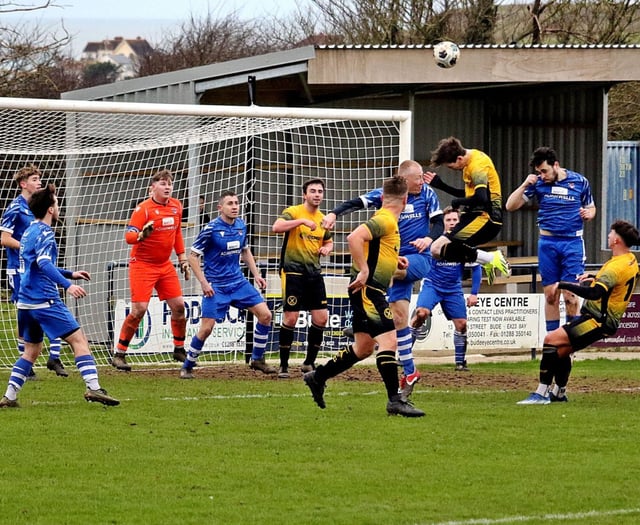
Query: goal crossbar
point(101, 156)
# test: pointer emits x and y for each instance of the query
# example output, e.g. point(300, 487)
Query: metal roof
point(200, 78)
point(317, 74)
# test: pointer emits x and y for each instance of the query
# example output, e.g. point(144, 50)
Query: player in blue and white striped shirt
point(443, 285)
point(222, 244)
point(565, 203)
point(40, 309)
point(419, 224)
point(15, 220)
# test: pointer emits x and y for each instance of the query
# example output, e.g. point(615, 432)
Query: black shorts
point(474, 228)
point(584, 331)
point(371, 312)
point(303, 292)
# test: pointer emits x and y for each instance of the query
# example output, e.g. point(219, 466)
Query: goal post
point(101, 156)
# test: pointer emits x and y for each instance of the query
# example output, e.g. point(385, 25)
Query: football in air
point(446, 54)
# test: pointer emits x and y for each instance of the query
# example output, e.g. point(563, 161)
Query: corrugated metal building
point(505, 100)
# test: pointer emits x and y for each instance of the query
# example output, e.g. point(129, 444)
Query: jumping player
point(481, 206)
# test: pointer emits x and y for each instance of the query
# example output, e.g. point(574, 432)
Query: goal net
point(101, 157)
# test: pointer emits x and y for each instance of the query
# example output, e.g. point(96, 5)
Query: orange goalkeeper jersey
point(166, 235)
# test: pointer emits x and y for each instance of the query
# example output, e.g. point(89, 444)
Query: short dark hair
point(42, 200)
point(542, 154)
point(162, 175)
point(447, 151)
point(25, 172)
point(226, 193)
point(310, 182)
point(627, 232)
point(450, 209)
point(395, 186)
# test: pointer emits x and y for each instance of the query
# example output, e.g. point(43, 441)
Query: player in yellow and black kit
point(303, 288)
point(374, 248)
point(607, 296)
point(480, 204)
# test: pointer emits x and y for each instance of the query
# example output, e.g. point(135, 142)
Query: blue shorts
point(241, 295)
point(417, 270)
point(56, 321)
point(560, 259)
point(453, 303)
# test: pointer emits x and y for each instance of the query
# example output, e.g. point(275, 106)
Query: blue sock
point(405, 354)
point(54, 348)
point(552, 325)
point(460, 346)
point(260, 338)
point(21, 346)
point(88, 370)
point(19, 374)
point(195, 347)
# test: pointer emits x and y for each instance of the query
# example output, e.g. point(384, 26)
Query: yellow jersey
point(300, 251)
point(381, 251)
point(480, 172)
point(618, 276)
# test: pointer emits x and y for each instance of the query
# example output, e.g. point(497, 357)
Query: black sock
point(314, 342)
point(286, 339)
point(342, 361)
point(548, 363)
point(563, 370)
point(388, 368)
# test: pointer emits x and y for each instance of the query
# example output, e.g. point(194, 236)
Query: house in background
point(119, 51)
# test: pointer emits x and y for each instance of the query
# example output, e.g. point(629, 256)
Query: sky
point(93, 20)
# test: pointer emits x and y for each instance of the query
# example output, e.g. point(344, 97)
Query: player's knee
point(177, 308)
point(320, 320)
point(264, 317)
point(136, 314)
point(204, 332)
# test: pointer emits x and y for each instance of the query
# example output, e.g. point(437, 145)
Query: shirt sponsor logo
point(233, 245)
point(559, 190)
point(168, 221)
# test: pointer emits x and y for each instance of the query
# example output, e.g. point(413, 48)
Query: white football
point(446, 54)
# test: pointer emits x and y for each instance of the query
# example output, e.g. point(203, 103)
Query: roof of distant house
point(139, 45)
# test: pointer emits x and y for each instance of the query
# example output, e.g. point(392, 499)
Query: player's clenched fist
point(186, 270)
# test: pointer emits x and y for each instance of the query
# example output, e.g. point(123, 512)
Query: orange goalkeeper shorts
point(144, 277)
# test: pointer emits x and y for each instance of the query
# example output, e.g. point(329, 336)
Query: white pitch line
point(545, 517)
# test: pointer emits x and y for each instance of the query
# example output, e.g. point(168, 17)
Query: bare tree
point(572, 22)
point(30, 55)
point(624, 111)
point(208, 40)
point(391, 22)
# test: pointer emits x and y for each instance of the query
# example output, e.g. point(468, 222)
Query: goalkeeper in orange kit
point(154, 233)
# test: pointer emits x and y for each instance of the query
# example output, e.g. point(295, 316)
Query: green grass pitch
point(258, 451)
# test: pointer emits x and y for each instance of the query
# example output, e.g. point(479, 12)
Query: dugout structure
point(101, 156)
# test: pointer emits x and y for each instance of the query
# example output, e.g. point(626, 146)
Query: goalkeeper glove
point(146, 231)
point(186, 271)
